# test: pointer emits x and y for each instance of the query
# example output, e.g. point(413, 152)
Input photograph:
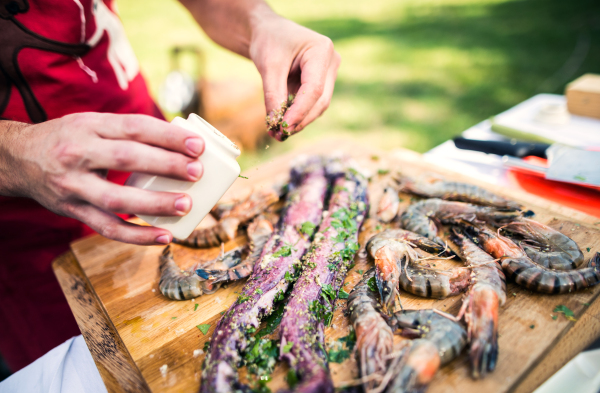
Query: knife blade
point(565, 163)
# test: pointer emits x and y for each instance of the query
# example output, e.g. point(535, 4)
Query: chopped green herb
point(378, 227)
point(173, 317)
point(196, 306)
point(204, 328)
point(338, 356)
point(588, 249)
point(331, 266)
point(206, 346)
point(343, 294)
point(279, 296)
point(586, 304)
point(243, 298)
point(579, 177)
point(284, 251)
point(566, 312)
point(374, 158)
point(259, 291)
point(532, 326)
point(320, 312)
point(288, 277)
point(261, 357)
point(360, 271)
point(328, 293)
point(222, 312)
point(307, 228)
point(287, 347)
point(372, 284)
point(272, 321)
point(383, 171)
point(555, 317)
point(350, 267)
point(292, 378)
point(243, 177)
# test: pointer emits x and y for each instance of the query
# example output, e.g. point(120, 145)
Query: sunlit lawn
point(414, 72)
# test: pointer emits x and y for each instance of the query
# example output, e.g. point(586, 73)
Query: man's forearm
point(230, 22)
point(9, 142)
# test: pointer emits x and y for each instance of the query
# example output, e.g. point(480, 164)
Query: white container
point(220, 171)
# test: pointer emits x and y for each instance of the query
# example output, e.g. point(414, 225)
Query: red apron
point(56, 57)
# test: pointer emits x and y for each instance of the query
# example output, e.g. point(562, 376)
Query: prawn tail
point(483, 324)
point(483, 354)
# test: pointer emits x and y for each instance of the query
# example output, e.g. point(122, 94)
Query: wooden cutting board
point(133, 331)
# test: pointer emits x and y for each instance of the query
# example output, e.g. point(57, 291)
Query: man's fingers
point(113, 227)
point(325, 99)
point(132, 156)
point(122, 199)
point(148, 130)
point(274, 77)
point(314, 67)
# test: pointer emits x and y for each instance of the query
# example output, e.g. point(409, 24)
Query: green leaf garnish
point(566, 312)
point(196, 306)
point(284, 251)
point(243, 298)
point(383, 171)
point(292, 378)
point(287, 347)
point(307, 228)
point(372, 284)
point(343, 294)
point(243, 177)
point(203, 328)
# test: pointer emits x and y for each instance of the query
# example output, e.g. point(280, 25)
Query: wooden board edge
point(575, 338)
point(116, 366)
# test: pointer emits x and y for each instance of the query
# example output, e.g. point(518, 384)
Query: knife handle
point(517, 149)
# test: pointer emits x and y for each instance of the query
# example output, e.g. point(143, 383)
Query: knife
point(512, 148)
point(565, 163)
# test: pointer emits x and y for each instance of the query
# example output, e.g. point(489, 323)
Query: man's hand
point(62, 164)
point(294, 60)
point(290, 58)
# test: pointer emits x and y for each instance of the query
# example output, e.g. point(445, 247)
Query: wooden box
point(583, 96)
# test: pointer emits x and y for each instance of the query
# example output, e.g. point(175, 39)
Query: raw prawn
point(517, 264)
point(393, 251)
point(231, 215)
point(259, 231)
point(454, 191)
point(204, 277)
point(544, 245)
point(420, 215)
point(374, 338)
point(438, 341)
point(487, 292)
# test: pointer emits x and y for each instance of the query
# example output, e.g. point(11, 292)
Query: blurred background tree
point(414, 73)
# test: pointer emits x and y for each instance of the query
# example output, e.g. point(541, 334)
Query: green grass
point(414, 72)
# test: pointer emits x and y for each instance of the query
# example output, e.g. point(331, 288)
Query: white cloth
point(68, 368)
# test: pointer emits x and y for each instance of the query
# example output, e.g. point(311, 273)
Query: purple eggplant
point(268, 281)
point(311, 304)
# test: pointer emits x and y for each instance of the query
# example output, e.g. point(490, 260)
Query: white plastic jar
point(220, 171)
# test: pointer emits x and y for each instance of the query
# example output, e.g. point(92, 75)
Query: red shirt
point(56, 57)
